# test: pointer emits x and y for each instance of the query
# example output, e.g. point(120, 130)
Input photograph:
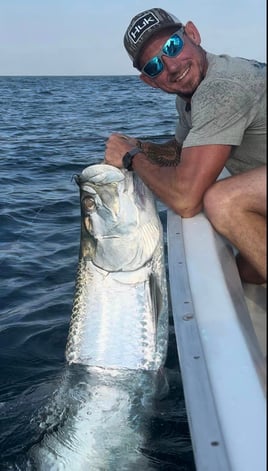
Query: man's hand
point(116, 147)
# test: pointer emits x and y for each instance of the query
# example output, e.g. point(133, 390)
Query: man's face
point(181, 74)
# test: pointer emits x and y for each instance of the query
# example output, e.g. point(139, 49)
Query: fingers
point(117, 145)
point(118, 137)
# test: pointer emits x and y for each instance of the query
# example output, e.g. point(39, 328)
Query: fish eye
point(89, 204)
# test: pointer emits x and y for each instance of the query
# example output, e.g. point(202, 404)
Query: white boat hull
point(222, 364)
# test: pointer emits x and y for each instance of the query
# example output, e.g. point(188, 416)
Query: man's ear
point(148, 81)
point(192, 32)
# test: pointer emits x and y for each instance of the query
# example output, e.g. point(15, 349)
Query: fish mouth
point(119, 230)
point(99, 174)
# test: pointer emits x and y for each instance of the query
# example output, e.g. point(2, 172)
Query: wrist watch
point(128, 157)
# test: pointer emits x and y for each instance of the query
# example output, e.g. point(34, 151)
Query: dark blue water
point(50, 129)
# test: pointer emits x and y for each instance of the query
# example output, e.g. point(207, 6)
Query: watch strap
point(128, 157)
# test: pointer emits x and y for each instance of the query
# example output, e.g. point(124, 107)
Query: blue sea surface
point(50, 129)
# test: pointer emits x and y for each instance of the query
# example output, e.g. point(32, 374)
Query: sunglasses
point(171, 48)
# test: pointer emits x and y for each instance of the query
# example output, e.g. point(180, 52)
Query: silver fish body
point(118, 333)
point(119, 317)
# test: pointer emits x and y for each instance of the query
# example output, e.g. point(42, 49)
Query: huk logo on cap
point(144, 23)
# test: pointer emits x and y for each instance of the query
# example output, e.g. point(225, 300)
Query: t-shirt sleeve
point(221, 111)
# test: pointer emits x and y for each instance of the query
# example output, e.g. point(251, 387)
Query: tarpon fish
point(118, 334)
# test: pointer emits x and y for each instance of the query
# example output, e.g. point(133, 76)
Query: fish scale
point(95, 319)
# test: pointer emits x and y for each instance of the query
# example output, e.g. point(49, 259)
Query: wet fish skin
point(121, 260)
point(118, 333)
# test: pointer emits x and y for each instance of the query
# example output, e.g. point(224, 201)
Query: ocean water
point(50, 129)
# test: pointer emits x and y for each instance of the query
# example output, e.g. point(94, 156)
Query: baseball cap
point(143, 26)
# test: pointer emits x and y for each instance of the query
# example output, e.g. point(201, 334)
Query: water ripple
point(50, 129)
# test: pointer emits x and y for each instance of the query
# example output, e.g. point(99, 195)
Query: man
point(221, 105)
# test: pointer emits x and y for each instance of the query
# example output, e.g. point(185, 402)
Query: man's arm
point(165, 154)
point(180, 187)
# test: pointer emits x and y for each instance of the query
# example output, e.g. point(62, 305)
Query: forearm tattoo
point(164, 155)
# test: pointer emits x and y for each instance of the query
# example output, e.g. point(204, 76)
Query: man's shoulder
point(230, 82)
point(235, 69)
point(221, 60)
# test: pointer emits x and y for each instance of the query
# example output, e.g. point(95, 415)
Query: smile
point(183, 74)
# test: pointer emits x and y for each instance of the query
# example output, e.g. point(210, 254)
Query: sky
point(85, 37)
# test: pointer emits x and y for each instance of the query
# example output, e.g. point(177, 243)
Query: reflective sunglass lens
point(173, 46)
point(153, 67)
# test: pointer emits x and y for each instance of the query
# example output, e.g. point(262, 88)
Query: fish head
point(119, 225)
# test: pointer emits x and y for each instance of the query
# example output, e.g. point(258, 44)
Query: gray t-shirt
point(228, 107)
